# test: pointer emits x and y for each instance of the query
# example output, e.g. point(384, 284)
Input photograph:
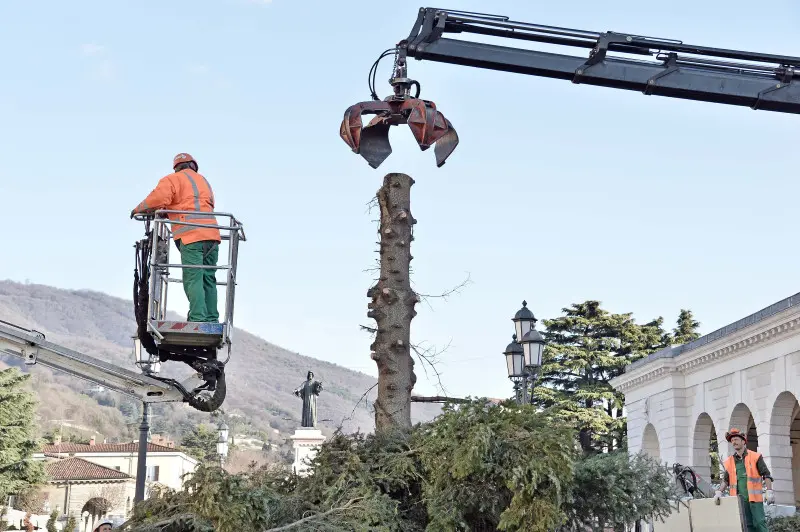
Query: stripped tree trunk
point(392, 306)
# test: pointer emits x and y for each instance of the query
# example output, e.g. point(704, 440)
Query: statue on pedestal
point(308, 392)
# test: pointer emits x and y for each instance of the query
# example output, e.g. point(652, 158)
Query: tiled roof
point(130, 447)
point(80, 469)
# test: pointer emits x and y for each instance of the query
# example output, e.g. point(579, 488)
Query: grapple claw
point(446, 144)
point(375, 146)
point(427, 124)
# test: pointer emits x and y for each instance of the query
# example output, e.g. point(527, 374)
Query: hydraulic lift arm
point(651, 65)
point(32, 347)
point(759, 81)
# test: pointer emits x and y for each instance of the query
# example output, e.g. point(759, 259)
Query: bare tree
point(392, 305)
point(108, 497)
point(241, 460)
point(31, 500)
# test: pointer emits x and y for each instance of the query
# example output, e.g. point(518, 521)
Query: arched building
point(745, 375)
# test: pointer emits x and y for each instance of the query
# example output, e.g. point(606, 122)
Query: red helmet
point(182, 158)
point(734, 433)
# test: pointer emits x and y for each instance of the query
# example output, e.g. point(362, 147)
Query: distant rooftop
point(761, 315)
point(132, 447)
point(79, 469)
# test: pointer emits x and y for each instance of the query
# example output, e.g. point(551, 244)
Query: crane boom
point(651, 65)
point(32, 347)
point(734, 77)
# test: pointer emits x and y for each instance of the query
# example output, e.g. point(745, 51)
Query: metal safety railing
point(162, 233)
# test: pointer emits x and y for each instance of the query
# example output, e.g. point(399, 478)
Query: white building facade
point(745, 375)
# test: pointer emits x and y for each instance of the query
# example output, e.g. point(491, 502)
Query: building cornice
point(725, 348)
point(643, 375)
point(692, 362)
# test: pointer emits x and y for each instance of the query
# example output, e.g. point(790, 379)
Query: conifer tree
point(586, 348)
point(686, 329)
point(17, 442)
point(72, 524)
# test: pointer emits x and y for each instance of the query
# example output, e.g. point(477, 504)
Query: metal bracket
point(671, 64)
point(30, 353)
point(598, 53)
point(785, 78)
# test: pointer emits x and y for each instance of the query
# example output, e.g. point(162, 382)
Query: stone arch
point(742, 419)
point(650, 443)
point(704, 443)
point(784, 448)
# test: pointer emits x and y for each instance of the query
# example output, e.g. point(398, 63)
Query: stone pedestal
point(306, 442)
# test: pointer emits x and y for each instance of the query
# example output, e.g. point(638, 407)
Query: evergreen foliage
point(615, 490)
point(686, 328)
point(201, 443)
point(586, 348)
point(479, 466)
point(72, 524)
point(18, 472)
point(51, 522)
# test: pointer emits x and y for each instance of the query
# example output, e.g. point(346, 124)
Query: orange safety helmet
point(734, 433)
point(182, 158)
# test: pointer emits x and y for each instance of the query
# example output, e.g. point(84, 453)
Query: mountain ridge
point(261, 376)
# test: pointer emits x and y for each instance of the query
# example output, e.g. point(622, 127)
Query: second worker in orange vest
point(187, 190)
point(744, 472)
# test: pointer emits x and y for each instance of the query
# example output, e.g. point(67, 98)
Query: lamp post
point(524, 356)
point(149, 366)
point(222, 443)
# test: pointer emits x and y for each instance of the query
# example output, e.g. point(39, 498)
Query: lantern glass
point(533, 347)
point(223, 432)
point(514, 358)
point(510, 364)
point(522, 327)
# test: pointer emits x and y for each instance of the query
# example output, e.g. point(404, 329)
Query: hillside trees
point(18, 472)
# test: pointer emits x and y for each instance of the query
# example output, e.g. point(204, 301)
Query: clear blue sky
point(558, 192)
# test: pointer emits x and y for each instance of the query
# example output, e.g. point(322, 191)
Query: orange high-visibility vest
point(755, 490)
point(185, 191)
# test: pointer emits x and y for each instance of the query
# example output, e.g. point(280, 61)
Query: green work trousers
point(200, 284)
point(754, 516)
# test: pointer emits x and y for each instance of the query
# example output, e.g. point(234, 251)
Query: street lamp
point(532, 349)
point(524, 356)
point(149, 365)
point(515, 363)
point(524, 320)
point(222, 443)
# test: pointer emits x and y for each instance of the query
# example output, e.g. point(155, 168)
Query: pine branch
point(349, 505)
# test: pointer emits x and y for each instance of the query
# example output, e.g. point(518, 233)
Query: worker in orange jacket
point(744, 472)
point(187, 190)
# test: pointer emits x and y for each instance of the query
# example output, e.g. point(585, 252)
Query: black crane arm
point(675, 69)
